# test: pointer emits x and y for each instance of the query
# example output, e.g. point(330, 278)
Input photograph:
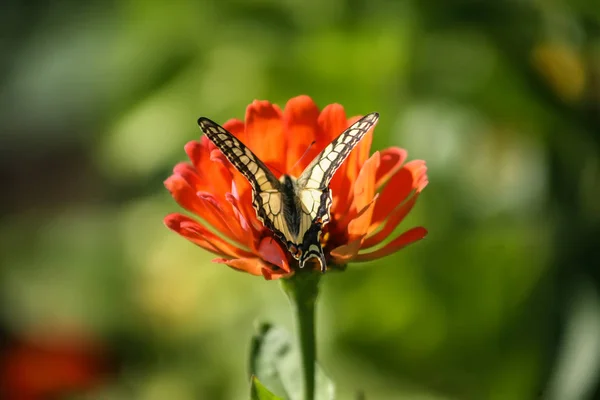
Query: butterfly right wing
point(313, 184)
point(318, 174)
point(267, 197)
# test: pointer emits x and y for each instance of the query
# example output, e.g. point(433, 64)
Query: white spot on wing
point(325, 164)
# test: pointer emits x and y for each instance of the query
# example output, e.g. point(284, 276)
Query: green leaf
point(274, 358)
point(258, 391)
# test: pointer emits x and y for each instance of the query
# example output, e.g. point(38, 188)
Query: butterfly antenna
point(272, 167)
point(303, 154)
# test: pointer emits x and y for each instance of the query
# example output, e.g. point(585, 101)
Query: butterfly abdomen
point(291, 206)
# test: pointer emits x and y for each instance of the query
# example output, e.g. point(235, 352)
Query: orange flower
point(371, 195)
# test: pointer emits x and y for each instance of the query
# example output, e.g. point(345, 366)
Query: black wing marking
point(319, 172)
point(311, 247)
point(266, 188)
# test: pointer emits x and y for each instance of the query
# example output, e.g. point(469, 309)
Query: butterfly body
point(295, 210)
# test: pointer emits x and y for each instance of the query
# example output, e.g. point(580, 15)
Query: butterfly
point(294, 209)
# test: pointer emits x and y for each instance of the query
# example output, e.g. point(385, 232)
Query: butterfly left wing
point(313, 184)
point(266, 189)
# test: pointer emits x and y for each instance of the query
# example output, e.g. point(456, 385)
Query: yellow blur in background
point(501, 99)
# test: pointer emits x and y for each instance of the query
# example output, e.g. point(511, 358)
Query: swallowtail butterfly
point(294, 209)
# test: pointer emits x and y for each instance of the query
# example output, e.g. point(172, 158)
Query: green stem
point(302, 290)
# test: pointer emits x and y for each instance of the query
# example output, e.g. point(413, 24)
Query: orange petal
point(264, 134)
point(345, 253)
point(236, 127)
point(269, 274)
point(399, 187)
point(270, 250)
point(363, 149)
point(238, 212)
point(391, 161)
point(419, 171)
point(391, 223)
point(401, 241)
point(359, 226)
point(300, 126)
point(357, 230)
point(198, 234)
point(332, 122)
point(188, 172)
point(212, 177)
point(359, 155)
point(187, 197)
point(364, 188)
point(250, 265)
point(237, 183)
point(183, 193)
point(254, 266)
point(226, 216)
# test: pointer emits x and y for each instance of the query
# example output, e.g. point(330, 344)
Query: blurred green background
point(502, 99)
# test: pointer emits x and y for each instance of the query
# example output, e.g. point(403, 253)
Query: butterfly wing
point(266, 189)
point(320, 171)
point(313, 184)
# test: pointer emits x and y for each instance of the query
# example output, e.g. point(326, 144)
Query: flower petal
point(254, 266)
point(360, 154)
point(410, 178)
point(212, 177)
point(363, 193)
point(187, 197)
point(345, 253)
point(198, 234)
point(188, 172)
point(364, 187)
point(239, 187)
point(363, 148)
point(235, 127)
point(391, 161)
point(391, 223)
point(401, 241)
point(270, 274)
point(357, 230)
point(332, 122)
point(300, 125)
point(264, 135)
point(250, 265)
point(227, 217)
point(238, 213)
point(359, 226)
point(270, 250)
